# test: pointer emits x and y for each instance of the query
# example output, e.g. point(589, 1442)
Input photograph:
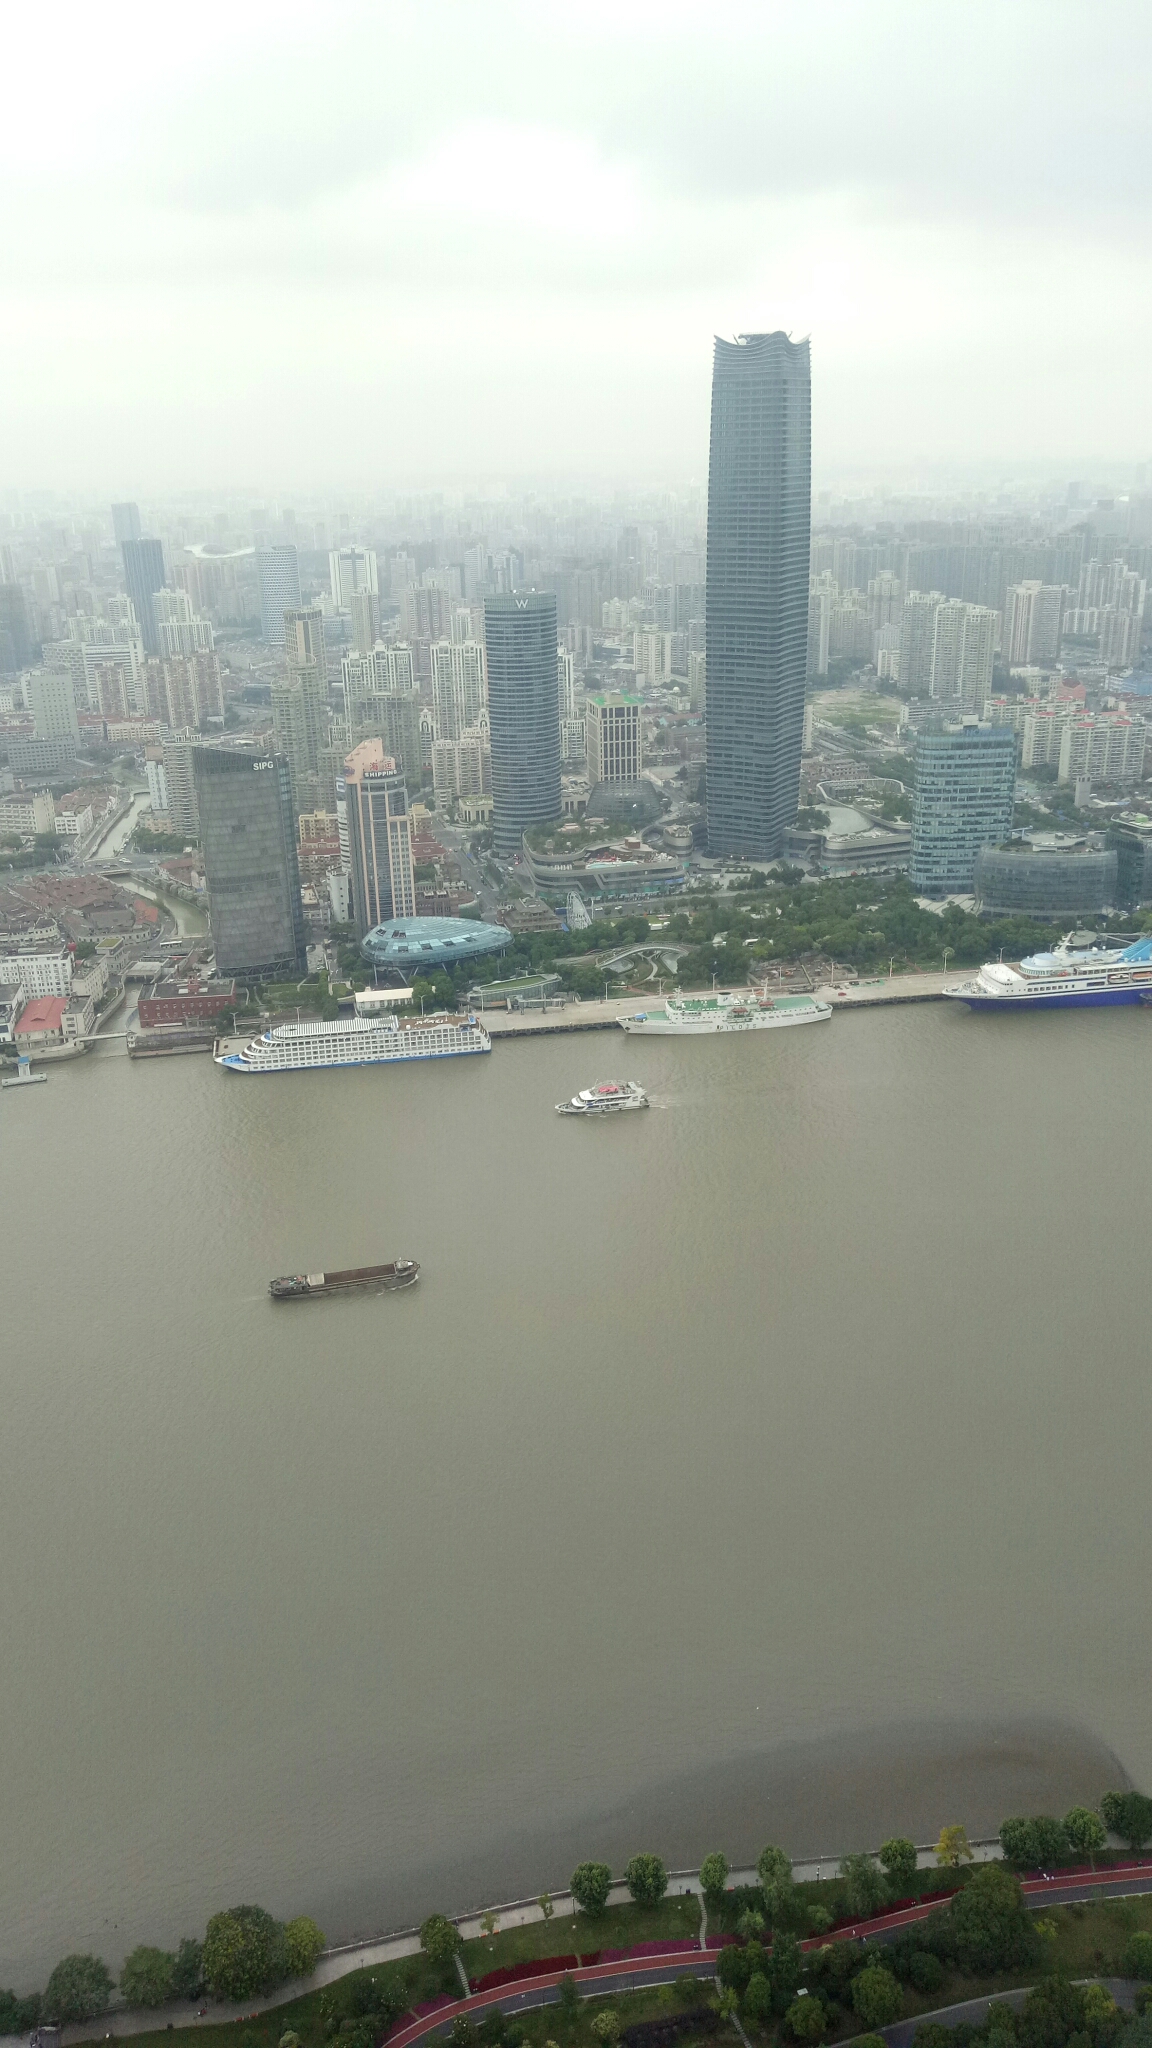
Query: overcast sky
point(279, 247)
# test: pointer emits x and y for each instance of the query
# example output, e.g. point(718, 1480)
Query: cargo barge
point(382, 1279)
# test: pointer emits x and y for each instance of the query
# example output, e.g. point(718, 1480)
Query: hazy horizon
point(433, 244)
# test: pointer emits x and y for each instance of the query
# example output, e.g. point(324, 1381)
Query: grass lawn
point(674, 1919)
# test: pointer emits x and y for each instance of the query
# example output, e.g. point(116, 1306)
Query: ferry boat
point(1069, 978)
point(606, 1098)
point(751, 1011)
point(355, 1042)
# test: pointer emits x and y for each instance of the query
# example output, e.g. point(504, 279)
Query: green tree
point(1018, 1841)
point(876, 1997)
point(569, 2000)
point(714, 1877)
point(1085, 1832)
point(289, 2040)
point(440, 1938)
point(953, 1848)
point(590, 1885)
point(1138, 1956)
point(807, 2019)
point(864, 1886)
point(756, 2003)
point(774, 1869)
point(78, 1989)
point(146, 1978)
point(606, 2026)
point(898, 1858)
point(304, 1944)
point(243, 1953)
point(785, 1969)
point(188, 1969)
point(988, 1924)
point(646, 1877)
point(1129, 1815)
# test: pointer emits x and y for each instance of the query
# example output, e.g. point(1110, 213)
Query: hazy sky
point(278, 247)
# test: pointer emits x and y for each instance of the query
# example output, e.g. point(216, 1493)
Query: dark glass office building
point(523, 714)
point(756, 620)
point(144, 576)
point(247, 830)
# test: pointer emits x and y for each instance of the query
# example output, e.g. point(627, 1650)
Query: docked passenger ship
point(690, 1015)
point(356, 1042)
point(1070, 977)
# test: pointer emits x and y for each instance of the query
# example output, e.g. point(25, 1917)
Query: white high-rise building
point(918, 640)
point(349, 570)
point(612, 738)
point(1033, 619)
point(51, 698)
point(178, 630)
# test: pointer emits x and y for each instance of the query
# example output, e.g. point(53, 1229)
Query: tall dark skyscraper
point(759, 522)
point(248, 832)
point(144, 576)
point(523, 714)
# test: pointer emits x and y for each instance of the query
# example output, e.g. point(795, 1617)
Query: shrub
point(876, 1997)
point(591, 1884)
point(606, 2026)
point(462, 2033)
point(646, 1877)
point(289, 2040)
point(78, 1989)
point(930, 2035)
point(146, 1978)
point(1138, 1957)
point(925, 1972)
point(439, 1938)
point(714, 1875)
point(756, 2003)
point(304, 1944)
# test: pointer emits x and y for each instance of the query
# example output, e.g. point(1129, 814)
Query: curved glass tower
point(523, 714)
point(756, 630)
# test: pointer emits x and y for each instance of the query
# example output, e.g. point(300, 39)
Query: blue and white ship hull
point(356, 1042)
point(1095, 977)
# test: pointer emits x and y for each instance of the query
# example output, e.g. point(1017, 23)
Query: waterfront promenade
point(603, 1016)
point(645, 1967)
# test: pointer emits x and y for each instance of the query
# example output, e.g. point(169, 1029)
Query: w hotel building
point(379, 838)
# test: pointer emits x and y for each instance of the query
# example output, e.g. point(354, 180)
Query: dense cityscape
point(426, 745)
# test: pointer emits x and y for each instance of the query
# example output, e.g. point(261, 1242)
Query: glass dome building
point(413, 943)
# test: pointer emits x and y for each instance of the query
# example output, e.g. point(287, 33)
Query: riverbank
point(1093, 1915)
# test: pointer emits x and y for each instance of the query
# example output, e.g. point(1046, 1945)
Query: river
point(772, 1465)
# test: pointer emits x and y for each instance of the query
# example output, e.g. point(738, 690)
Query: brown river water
point(771, 1465)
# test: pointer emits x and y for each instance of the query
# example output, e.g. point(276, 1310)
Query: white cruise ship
point(356, 1042)
point(1068, 978)
point(688, 1015)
